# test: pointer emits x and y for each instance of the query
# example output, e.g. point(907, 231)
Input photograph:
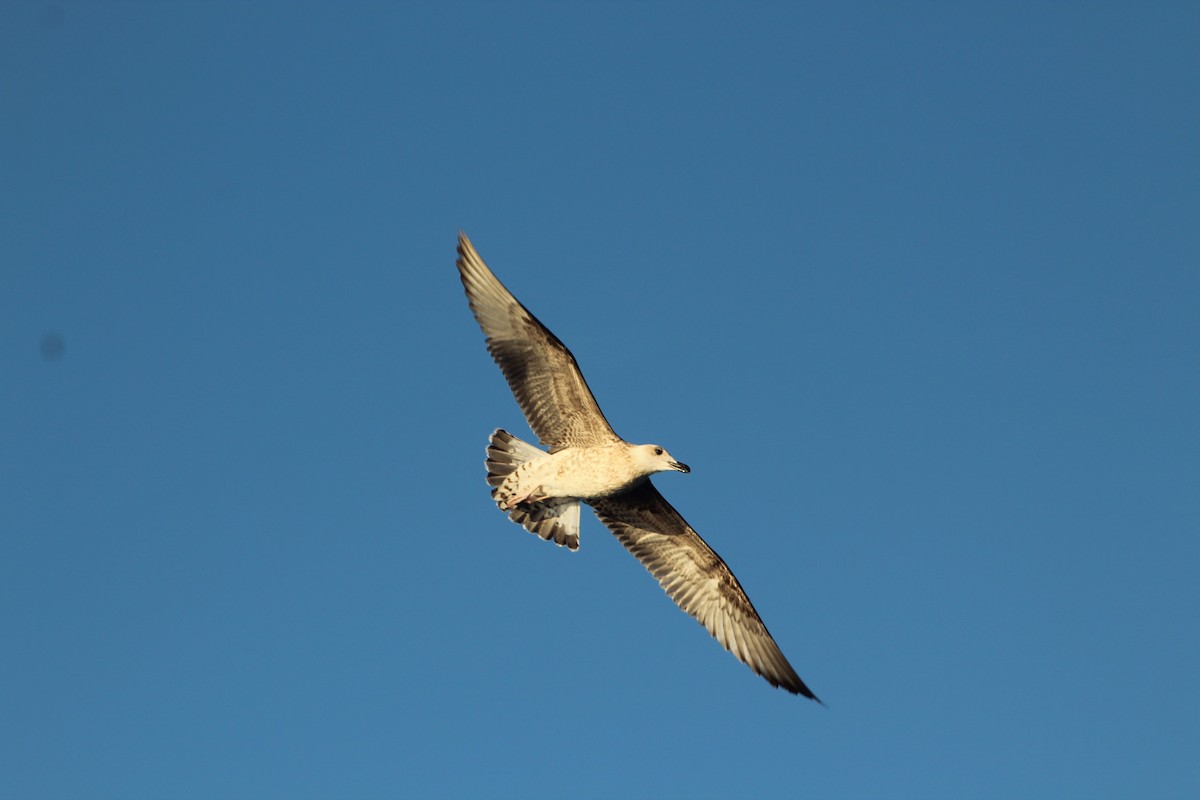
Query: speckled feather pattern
point(589, 462)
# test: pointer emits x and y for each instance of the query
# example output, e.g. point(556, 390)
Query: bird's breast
point(584, 472)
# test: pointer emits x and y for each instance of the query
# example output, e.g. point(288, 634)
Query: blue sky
point(912, 287)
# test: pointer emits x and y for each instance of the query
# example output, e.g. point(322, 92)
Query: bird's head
point(653, 458)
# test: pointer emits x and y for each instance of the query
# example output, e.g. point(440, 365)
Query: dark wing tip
point(799, 687)
point(776, 669)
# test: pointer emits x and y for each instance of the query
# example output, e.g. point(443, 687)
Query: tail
point(553, 520)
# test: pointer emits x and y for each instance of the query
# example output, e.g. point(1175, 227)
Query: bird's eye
point(658, 451)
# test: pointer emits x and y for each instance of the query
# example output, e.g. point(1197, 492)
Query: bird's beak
point(681, 467)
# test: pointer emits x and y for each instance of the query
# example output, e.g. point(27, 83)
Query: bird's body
point(587, 461)
point(579, 473)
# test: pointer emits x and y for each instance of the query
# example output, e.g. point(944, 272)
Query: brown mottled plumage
point(589, 462)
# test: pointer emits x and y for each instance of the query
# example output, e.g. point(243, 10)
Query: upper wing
point(696, 578)
point(539, 368)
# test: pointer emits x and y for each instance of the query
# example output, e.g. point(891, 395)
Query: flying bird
point(588, 462)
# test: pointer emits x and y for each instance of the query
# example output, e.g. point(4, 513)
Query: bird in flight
point(588, 462)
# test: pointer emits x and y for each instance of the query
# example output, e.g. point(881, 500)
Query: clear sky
point(913, 287)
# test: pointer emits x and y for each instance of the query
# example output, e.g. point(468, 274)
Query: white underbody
point(575, 473)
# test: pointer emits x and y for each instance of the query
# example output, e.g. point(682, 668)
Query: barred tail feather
point(554, 520)
point(505, 453)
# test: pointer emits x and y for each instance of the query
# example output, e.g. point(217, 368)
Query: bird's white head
point(653, 458)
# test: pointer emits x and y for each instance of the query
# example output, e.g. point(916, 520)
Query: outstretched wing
point(539, 368)
point(696, 578)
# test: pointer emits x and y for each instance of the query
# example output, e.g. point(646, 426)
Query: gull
point(588, 462)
